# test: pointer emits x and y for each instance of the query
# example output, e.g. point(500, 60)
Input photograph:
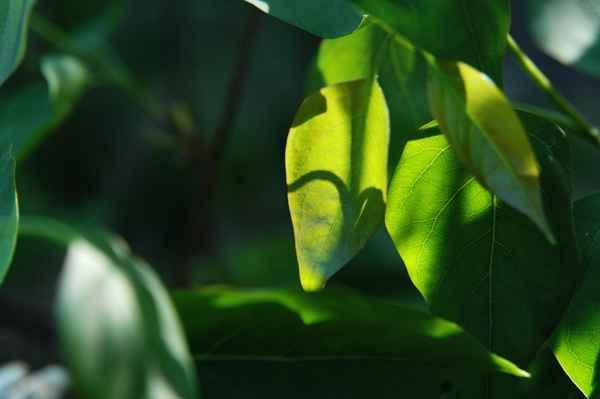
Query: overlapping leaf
point(472, 31)
point(569, 31)
point(476, 260)
point(325, 18)
point(14, 15)
point(574, 340)
point(487, 136)
point(9, 212)
point(28, 116)
point(336, 166)
point(402, 75)
point(334, 344)
point(119, 331)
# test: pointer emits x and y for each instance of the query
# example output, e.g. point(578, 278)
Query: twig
point(208, 162)
point(582, 127)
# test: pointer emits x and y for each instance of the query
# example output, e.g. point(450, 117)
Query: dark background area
point(100, 169)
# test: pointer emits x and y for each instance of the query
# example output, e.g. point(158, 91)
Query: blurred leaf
point(476, 260)
point(487, 136)
point(325, 18)
point(35, 111)
point(9, 212)
point(334, 344)
point(119, 331)
point(11, 373)
point(569, 31)
point(574, 340)
point(472, 31)
point(336, 165)
point(50, 382)
point(14, 15)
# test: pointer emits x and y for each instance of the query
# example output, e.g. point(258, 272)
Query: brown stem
point(209, 159)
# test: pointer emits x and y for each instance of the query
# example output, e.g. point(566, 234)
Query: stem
point(118, 75)
point(582, 126)
point(210, 158)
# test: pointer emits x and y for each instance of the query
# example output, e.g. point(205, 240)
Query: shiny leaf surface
point(487, 136)
point(14, 15)
point(574, 340)
point(119, 331)
point(472, 31)
point(478, 261)
point(325, 18)
point(569, 31)
point(334, 344)
point(336, 165)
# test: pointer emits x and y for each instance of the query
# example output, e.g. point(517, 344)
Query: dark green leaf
point(472, 31)
point(487, 136)
point(569, 31)
point(336, 164)
point(9, 212)
point(325, 18)
point(478, 261)
point(574, 340)
point(27, 117)
point(120, 335)
point(14, 15)
point(334, 344)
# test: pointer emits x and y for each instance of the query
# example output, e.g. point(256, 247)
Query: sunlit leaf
point(28, 116)
point(472, 31)
point(569, 31)
point(574, 340)
point(402, 76)
point(120, 335)
point(9, 212)
point(487, 136)
point(478, 261)
point(14, 15)
point(336, 164)
point(332, 344)
point(325, 18)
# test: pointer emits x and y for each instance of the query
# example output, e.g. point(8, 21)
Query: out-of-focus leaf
point(119, 331)
point(472, 31)
point(569, 31)
point(50, 382)
point(478, 261)
point(336, 166)
point(334, 344)
point(487, 136)
point(9, 212)
point(325, 18)
point(27, 117)
point(14, 15)
point(574, 340)
point(11, 373)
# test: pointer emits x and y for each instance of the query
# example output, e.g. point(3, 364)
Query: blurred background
point(109, 165)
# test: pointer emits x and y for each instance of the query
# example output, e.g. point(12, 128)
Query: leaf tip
point(312, 282)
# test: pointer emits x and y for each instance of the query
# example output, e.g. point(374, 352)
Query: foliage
point(405, 120)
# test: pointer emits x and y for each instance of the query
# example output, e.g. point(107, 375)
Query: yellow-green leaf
point(336, 165)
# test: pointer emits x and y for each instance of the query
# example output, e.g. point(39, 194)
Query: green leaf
point(569, 31)
point(472, 31)
point(574, 340)
point(336, 166)
point(9, 212)
point(487, 136)
point(27, 117)
point(332, 344)
point(119, 332)
point(14, 15)
point(325, 18)
point(476, 260)
point(402, 75)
